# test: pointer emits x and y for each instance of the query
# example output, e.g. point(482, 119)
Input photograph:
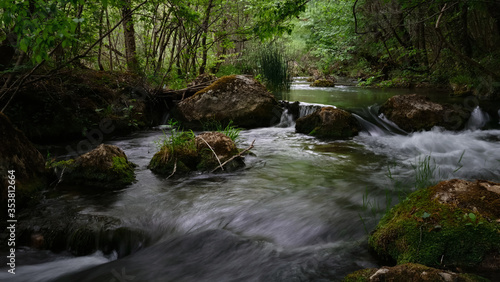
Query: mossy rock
point(453, 224)
point(323, 83)
point(329, 122)
point(415, 112)
point(179, 158)
point(196, 154)
point(106, 166)
point(19, 156)
point(410, 272)
point(236, 98)
point(210, 144)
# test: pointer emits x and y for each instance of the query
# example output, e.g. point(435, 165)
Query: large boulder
point(329, 122)
point(409, 272)
point(187, 153)
point(21, 164)
point(106, 167)
point(238, 98)
point(415, 112)
point(454, 224)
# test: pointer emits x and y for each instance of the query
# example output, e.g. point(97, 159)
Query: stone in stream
point(235, 98)
point(106, 166)
point(454, 224)
point(196, 153)
point(329, 122)
point(323, 83)
point(416, 112)
point(22, 167)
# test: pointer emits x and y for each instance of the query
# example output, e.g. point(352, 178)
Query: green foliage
point(274, 69)
point(229, 130)
point(178, 138)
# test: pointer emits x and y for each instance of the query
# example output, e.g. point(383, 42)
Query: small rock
point(329, 122)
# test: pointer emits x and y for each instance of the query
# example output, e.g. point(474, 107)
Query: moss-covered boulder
point(454, 224)
point(106, 166)
point(416, 112)
point(235, 98)
point(329, 122)
point(215, 147)
point(204, 152)
point(177, 155)
point(323, 83)
point(410, 272)
point(21, 164)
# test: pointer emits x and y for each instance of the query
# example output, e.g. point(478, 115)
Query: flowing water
point(299, 211)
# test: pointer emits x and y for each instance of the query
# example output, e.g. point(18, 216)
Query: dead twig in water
point(235, 156)
point(175, 169)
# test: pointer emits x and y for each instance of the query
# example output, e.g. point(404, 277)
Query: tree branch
point(234, 157)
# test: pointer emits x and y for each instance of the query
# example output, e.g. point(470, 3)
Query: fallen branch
point(220, 165)
point(235, 156)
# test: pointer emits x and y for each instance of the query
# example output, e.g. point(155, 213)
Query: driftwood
point(234, 157)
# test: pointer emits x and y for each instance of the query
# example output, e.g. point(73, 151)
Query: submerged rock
point(329, 122)
point(409, 272)
point(196, 153)
point(21, 164)
point(416, 112)
point(106, 166)
point(235, 98)
point(454, 224)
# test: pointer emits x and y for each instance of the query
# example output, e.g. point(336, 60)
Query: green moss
point(323, 83)
point(181, 158)
point(124, 170)
point(120, 174)
point(362, 275)
point(422, 230)
point(220, 84)
point(409, 272)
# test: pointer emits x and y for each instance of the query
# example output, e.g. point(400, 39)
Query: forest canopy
point(170, 41)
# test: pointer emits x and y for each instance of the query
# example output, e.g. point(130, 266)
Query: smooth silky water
point(299, 211)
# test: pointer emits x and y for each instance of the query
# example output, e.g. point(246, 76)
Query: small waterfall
point(375, 124)
point(478, 119)
point(286, 119)
point(307, 109)
point(293, 111)
point(371, 128)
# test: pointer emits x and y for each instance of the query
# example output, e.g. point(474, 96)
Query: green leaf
point(23, 45)
point(426, 215)
point(472, 217)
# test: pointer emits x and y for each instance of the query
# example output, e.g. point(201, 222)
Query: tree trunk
point(129, 34)
point(204, 38)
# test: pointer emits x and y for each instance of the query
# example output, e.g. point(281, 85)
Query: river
point(299, 211)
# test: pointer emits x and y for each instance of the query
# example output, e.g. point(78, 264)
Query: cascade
point(478, 119)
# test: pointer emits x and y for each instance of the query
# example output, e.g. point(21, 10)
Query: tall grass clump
point(178, 138)
point(274, 69)
point(229, 130)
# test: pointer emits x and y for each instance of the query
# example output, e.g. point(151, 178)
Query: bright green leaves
point(41, 25)
point(273, 18)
